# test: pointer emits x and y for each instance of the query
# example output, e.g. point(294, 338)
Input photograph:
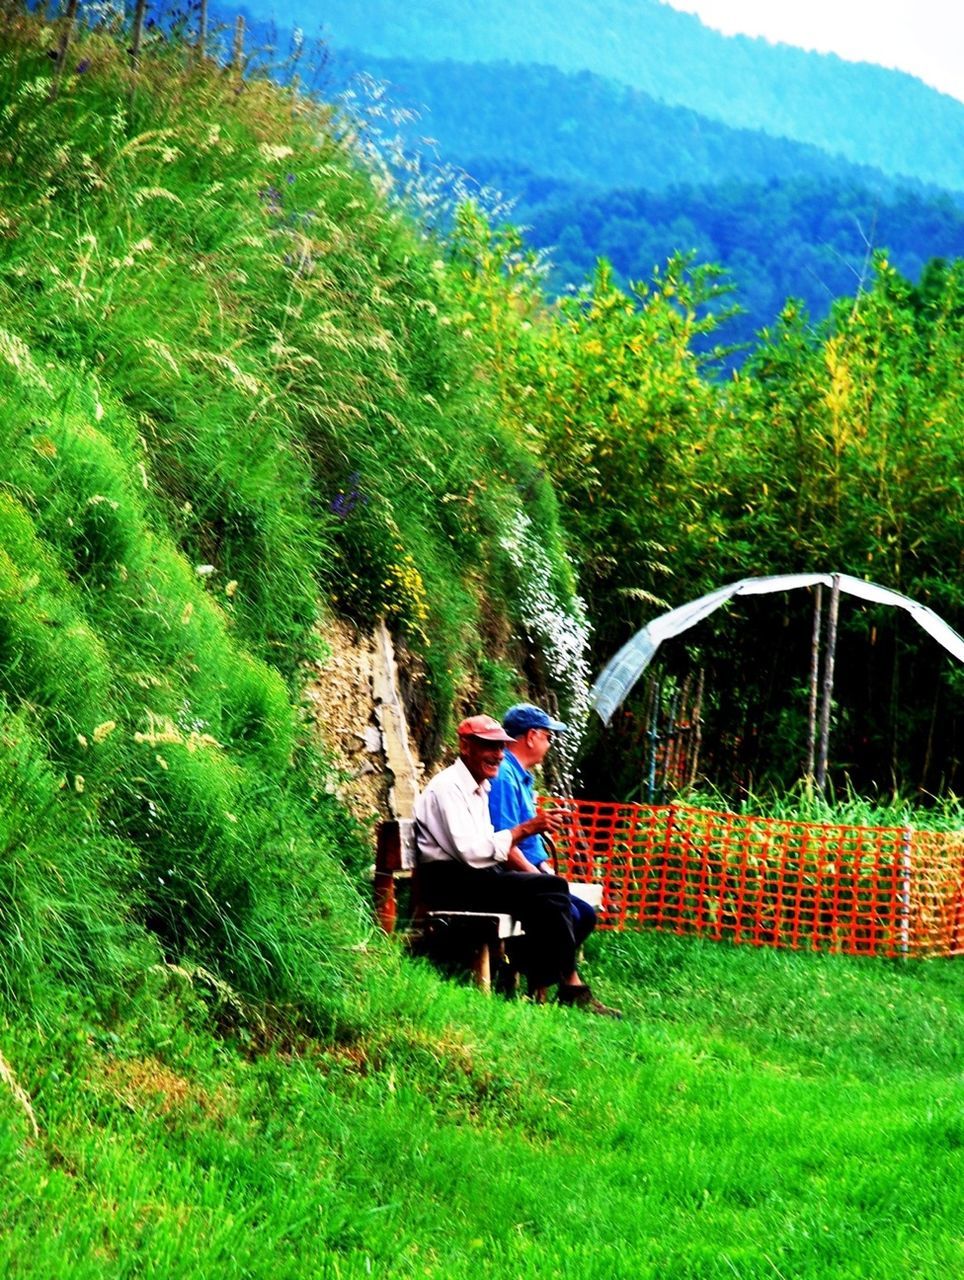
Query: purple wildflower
point(271, 196)
point(344, 503)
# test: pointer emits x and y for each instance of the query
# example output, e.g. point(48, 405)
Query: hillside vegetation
point(229, 391)
point(240, 386)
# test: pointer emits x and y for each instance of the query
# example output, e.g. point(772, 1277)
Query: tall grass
point(149, 760)
point(230, 392)
point(283, 344)
point(804, 803)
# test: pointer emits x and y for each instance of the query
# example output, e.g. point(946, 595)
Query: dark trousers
point(540, 903)
point(583, 919)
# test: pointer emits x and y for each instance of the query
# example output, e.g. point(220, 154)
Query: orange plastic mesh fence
point(885, 891)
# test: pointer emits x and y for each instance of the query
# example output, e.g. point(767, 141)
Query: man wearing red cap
point(512, 793)
point(466, 865)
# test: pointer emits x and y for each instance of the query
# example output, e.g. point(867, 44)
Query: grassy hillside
point(238, 385)
point(229, 393)
point(308, 414)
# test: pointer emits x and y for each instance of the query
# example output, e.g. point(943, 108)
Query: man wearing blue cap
point(512, 793)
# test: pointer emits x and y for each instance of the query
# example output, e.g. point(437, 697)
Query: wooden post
point(388, 860)
point(955, 938)
point(202, 31)
point(669, 752)
point(653, 734)
point(828, 682)
point(394, 855)
point(237, 57)
point(684, 734)
point(138, 36)
point(894, 717)
point(64, 47)
point(929, 750)
point(697, 729)
point(814, 681)
point(482, 968)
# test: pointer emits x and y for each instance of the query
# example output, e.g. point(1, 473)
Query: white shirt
point(453, 823)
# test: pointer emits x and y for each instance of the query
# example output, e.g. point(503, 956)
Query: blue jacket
point(512, 800)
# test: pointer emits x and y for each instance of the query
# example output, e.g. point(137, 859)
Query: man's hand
point(517, 861)
point(549, 820)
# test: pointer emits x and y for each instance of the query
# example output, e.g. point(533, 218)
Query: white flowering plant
point(560, 630)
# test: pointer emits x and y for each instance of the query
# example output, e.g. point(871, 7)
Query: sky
point(923, 37)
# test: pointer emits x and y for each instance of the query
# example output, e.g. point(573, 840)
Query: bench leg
point(386, 910)
point(482, 967)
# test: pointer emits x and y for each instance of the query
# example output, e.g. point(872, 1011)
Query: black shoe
point(579, 996)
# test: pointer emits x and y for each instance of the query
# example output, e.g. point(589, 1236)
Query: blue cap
point(524, 716)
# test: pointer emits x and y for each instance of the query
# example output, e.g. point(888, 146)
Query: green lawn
point(755, 1115)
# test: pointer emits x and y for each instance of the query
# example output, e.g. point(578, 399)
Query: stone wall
point(355, 700)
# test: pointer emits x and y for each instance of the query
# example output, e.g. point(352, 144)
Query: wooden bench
point(482, 933)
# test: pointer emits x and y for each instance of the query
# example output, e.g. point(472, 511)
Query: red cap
point(484, 727)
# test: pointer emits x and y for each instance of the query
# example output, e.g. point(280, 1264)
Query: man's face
point(481, 758)
point(539, 741)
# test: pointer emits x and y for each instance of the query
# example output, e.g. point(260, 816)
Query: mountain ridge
point(551, 121)
point(591, 169)
point(870, 114)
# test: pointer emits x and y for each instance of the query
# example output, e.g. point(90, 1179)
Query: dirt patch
point(146, 1085)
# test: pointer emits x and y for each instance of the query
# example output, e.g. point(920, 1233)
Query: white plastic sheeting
point(622, 671)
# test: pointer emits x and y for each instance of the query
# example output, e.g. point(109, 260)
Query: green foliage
point(52, 661)
point(66, 884)
point(833, 449)
point(612, 388)
point(802, 803)
point(129, 214)
point(307, 408)
point(150, 797)
point(842, 451)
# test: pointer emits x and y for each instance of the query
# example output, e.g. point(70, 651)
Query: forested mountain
point(580, 127)
point(872, 116)
point(592, 166)
point(595, 169)
point(807, 238)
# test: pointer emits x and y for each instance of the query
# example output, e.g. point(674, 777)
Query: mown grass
point(754, 1114)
